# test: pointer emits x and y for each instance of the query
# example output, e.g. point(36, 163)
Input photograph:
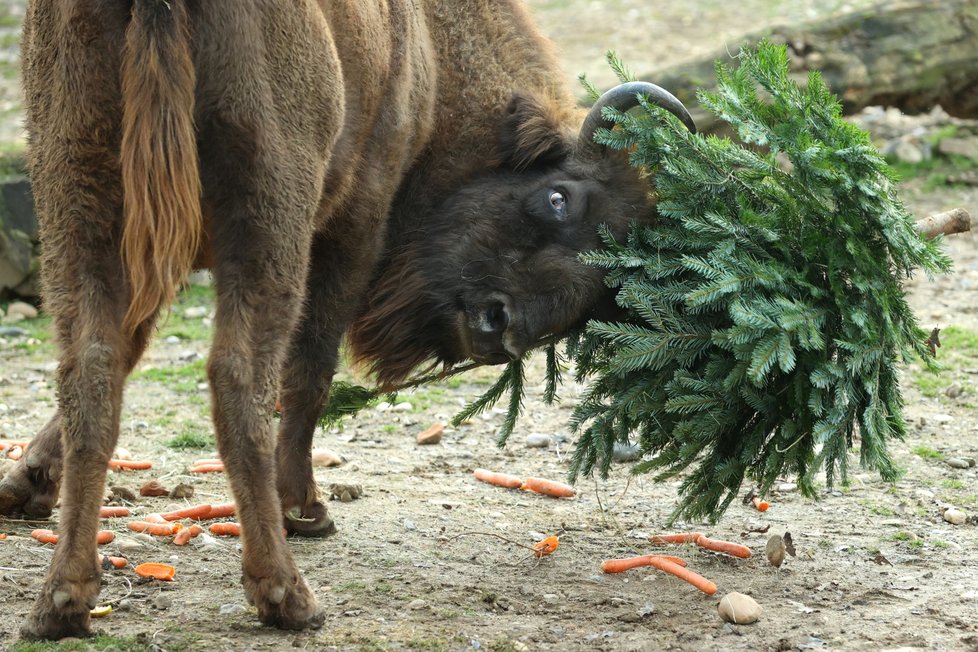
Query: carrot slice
point(196, 512)
point(498, 479)
point(156, 529)
point(129, 465)
point(759, 505)
point(735, 549)
point(207, 468)
point(549, 488)
point(221, 511)
point(105, 536)
point(546, 546)
point(112, 511)
point(163, 572)
point(186, 534)
point(227, 529)
point(117, 562)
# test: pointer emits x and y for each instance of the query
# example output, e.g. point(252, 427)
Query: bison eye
point(559, 203)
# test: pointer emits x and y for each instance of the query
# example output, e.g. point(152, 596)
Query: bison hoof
point(310, 521)
point(286, 606)
point(60, 612)
point(27, 491)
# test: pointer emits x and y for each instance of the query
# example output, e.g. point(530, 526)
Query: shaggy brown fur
point(404, 164)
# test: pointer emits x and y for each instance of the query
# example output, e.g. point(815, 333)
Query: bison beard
point(327, 179)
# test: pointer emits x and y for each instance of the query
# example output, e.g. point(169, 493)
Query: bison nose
point(494, 319)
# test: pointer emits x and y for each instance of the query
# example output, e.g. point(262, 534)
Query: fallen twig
point(957, 220)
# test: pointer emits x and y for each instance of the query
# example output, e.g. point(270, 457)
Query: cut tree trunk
point(910, 54)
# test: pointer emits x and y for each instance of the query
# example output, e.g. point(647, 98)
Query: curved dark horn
point(623, 97)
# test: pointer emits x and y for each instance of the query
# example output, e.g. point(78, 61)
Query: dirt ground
point(420, 562)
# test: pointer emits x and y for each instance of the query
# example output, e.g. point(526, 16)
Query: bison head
point(495, 268)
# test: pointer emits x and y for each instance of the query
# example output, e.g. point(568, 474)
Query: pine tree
point(766, 311)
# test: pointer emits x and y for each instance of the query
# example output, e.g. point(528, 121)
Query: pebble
point(127, 545)
point(551, 598)
point(957, 463)
point(325, 457)
point(787, 487)
point(12, 331)
point(430, 436)
point(409, 525)
point(775, 550)
point(626, 452)
point(22, 310)
point(739, 609)
point(172, 339)
point(402, 407)
point(232, 609)
point(195, 312)
point(955, 516)
point(415, 605)
point(538, 440)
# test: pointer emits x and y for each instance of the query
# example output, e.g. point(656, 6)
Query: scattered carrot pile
point(48, 536)
point(536, 485)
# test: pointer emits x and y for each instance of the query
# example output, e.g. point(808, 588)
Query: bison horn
point(624, 97)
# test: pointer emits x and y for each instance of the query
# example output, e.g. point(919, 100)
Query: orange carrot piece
point(697, 580)
point(105, 536)
point(546, 546)
point(45, 536)
point(207, 468)
point(760, 505)
point(156, 529)
point(112, 511)
point(2, 536)
point(685, 537)
point(129, 465)
point(163, 572)
point(196, 512)
point(220, 511)
point(622, 565)
point(548, 488)
point(735, 549)
point(498, 479)
point(154, 518)
point(117, 562)
point(186, 534)
point(226, 529)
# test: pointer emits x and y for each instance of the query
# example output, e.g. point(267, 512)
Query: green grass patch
point(927, 453)
point(191, 439)
point(957, 355)
point(934, 173)
point(180, 378)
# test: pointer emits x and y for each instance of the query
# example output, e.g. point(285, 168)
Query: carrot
point(2, 536)
point(220, 511)
point(15, 453)
point(186, 534)
point(498, 479)
point(117, 562)
point(45, 536)
point(735, 549)
point(697, 580)
point(129, 465)
point(197, 512)
point(156, 529)
point(686, 537)
point(227, 529)
point(760, 505)
point(112, 511)
point(163, 572)
point(207, 468)
point(545, 546)
point(548, 488)
point(105, 536)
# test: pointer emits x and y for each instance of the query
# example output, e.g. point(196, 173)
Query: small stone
point(955, 516)
point(538, 440)
point(326, 458)
point(909, 152)
point(739, 609)
point(409, 525)
point(162, 602)
point(402, 407)
point(24, 310)
point(172, 339)
point(182, 490)
point(122, 454)
point(12, 331)
point(128, 545)
point(966, 147)
point(626, 452)
point(232, 609)
point(954, 391)
point(787, 487)
point(957, 463)
point(432, 435)
point(551, 598)
point(195, 312)
point(775, 550)
point(416, 605)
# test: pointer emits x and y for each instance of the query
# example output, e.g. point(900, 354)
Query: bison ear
point(532, 134)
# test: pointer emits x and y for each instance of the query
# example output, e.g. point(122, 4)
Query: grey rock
point(537, 440)
point(957, 463)
point(25, 310)
point(12, 331)
point(966, 147)
point(232, 609)
point(626, 453)
point(416, 605)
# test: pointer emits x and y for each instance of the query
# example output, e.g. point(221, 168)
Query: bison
point(411, 172)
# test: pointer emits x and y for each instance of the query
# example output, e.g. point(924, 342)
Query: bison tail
point(160, 178)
